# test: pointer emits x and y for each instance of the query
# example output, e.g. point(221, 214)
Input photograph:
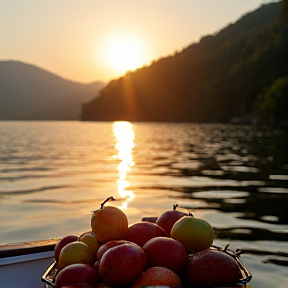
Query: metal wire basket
point(49, 276)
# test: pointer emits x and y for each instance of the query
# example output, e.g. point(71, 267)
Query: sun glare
point(124, 135)
point(124, 52)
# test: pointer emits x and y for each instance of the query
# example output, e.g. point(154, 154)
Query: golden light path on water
point(124, 134)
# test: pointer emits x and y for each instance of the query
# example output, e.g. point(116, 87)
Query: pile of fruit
point(175, 251)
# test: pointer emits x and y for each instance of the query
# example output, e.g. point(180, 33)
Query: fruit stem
point(175, 206)
point(109, 198)
point(190, 214)
point(102, 204)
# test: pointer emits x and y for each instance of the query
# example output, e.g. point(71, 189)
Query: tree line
point(239, 73)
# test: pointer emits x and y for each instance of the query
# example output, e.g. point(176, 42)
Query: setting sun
point(124, 52)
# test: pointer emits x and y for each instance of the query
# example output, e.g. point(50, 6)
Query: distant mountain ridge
point(215, 80)
point(31, 93)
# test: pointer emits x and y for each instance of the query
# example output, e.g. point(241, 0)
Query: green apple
point(194, 233)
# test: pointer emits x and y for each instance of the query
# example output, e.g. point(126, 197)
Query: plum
point(212, 267)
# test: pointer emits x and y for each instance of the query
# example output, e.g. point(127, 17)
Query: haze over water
point(53, 174)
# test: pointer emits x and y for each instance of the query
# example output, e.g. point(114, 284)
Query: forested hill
point(231, 75)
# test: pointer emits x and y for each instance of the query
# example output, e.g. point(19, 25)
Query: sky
point(99, 40)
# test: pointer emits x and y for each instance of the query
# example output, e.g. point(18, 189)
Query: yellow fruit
point(195, 234)
point(90, 239)
point(75, 252)
point(109, 223)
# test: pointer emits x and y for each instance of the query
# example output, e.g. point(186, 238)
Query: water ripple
point(53, 174)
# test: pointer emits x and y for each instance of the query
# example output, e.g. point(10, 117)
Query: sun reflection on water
point(125, 135)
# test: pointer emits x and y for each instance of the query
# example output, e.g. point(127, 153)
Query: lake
point(53, 174)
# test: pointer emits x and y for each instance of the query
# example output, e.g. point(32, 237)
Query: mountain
point(30, 93)
point(215, 80)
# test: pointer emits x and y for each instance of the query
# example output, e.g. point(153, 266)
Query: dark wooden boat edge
point(24, 248)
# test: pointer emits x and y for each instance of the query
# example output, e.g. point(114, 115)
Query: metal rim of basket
point(45, 275)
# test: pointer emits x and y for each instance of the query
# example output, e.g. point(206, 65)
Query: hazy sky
point(89, 40)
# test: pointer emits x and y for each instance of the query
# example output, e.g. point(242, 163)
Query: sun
point(124, 52)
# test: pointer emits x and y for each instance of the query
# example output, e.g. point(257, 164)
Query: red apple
point(165, 252)
point(121, 265)
point(141, 232)
point(77, 273)
point(63, 242)
point(103, 248)
point(97, 267)
point(212, 267)
point(158, 277)
point(167, 219)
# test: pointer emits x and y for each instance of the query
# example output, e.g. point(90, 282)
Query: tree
point(272, 105)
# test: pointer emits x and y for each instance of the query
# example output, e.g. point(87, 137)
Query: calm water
point(53, 174)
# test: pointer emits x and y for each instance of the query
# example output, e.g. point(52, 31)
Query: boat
point(23, 264)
